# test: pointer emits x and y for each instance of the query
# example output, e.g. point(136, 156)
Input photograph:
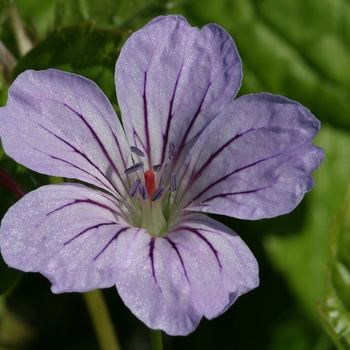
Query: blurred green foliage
point(8, 276)
point(302, 256)
point(335, 311)
point(82, 49)
point(299, 49)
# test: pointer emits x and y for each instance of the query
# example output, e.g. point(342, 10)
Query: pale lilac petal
point(199, 269)
point(69, 233)
point(62, 124)
point(253, 161)
point(171, 80)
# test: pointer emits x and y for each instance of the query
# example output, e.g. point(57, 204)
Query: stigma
point(148, 185)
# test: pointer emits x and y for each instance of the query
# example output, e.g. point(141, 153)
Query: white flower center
point(147, 195)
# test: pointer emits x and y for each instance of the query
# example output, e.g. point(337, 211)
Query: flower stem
point(101, 320)
point(7, 181)
point(7, 62)
point(24, 43)
point(156, 337)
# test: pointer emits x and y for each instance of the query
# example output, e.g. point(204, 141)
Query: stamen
point(137, 151)
point(135, 189)
point(143, 192)
point(157, 167)
point(158, 193)
point(133, 168)
point(172, 182)
point(171, 149)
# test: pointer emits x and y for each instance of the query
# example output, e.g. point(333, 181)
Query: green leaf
point(302, 255)
point(299, 49)
point(37, 15)
point(335, 312)
point(77, 11)
point(8, 276)
point(4, 10)
point(83, 49)
point(125, 14)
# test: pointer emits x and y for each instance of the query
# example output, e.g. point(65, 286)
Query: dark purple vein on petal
point(145, 117)
point(170, 117)
point(195, 172)
point(123, 229)
point(84, 156)
point(112, 188)
point(95, 136)
point(190, 125)
point(173, 245)
point(151, 256)
point(118, 146)
point(97, 226)
point(218, 151)
point(87, 201)
point(198, 234)
point(137, 140)
point(223, 195)
point(228, 175)
point(187, 167)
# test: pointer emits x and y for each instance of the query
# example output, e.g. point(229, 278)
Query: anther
point(135, 189)
point(172, 182)
point(157, 167)
point(133, 168)
point(171, 149)
point(137, 151)
point(143, 192)
point(158, 193)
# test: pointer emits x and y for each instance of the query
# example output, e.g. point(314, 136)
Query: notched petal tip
point(255, 159)
point(196, 72)
point(199, 269)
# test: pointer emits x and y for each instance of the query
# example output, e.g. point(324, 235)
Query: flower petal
point(253, 161)
point(69, 233)
point(62, 124)
point(199, 269)
point(171, 80)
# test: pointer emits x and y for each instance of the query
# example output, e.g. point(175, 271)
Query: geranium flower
point(185, 148)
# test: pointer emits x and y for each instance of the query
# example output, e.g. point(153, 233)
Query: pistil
point(150, 182)
point(148, 187)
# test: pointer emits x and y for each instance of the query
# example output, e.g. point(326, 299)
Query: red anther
point(149, 182)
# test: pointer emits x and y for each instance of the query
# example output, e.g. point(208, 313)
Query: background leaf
point(82, 49)
point(8, 276)
point(299, 49)
point(302, 255)
point(335, 312)
point(37, 15)
point(4, 10)
point(123, 14)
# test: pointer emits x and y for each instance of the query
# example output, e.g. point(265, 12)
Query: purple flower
point(185, 148)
